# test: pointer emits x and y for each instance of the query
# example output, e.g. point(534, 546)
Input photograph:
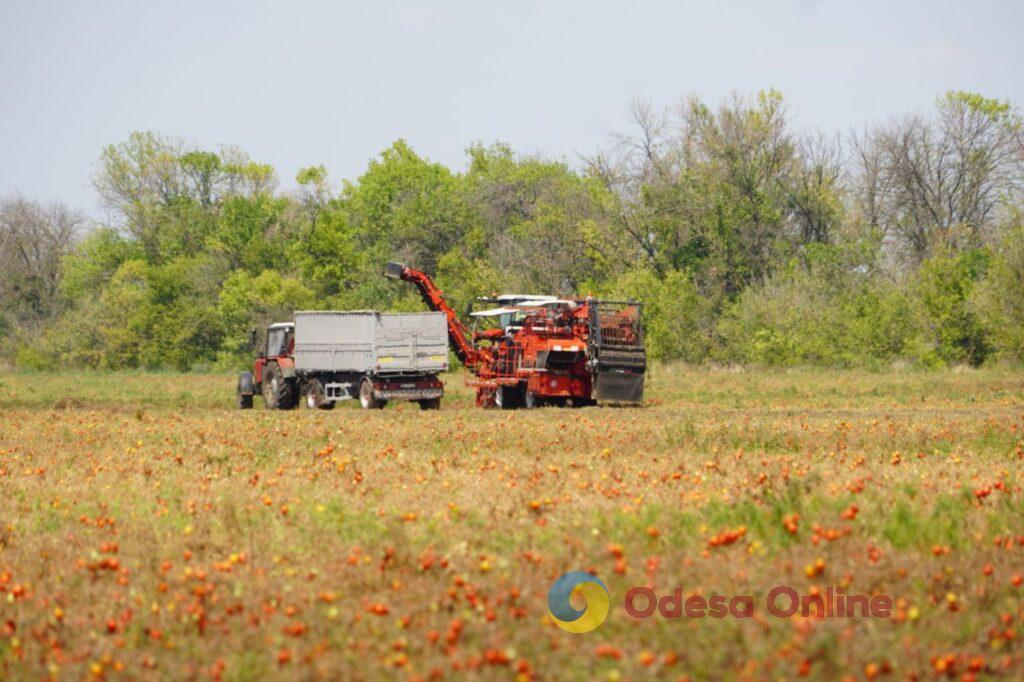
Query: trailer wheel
point(366, 399)
point(430, 404)
point(314, 397)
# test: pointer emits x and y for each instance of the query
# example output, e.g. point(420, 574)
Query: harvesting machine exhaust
point(544, 349)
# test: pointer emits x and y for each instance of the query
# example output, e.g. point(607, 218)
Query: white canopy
point(525, 298)
point(494, 312)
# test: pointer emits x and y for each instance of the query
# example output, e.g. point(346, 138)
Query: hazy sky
point(335, 82)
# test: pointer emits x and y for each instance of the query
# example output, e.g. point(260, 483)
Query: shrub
point(822, 309)
point(998, 299)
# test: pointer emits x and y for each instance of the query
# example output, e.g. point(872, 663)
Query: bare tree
point(941, 183)
point(869, 184)
point(815, 187)
point(33, 240)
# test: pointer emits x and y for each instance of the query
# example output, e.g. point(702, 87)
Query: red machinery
point(545, 349)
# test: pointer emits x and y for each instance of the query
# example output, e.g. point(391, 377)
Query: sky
point(334, 82)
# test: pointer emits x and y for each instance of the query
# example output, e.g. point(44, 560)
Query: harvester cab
point(514, 309)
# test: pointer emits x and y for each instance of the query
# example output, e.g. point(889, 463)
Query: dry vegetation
point(149, 530)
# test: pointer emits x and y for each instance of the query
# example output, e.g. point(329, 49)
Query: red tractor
point(544, 349)
point(273, 371)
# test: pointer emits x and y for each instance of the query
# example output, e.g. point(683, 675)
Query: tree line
point(749, 241)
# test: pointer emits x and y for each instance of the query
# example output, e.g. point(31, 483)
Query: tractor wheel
point(430, 404)
point(366, 399)
point(530, 400)
point(278, 392)
point(244, 402)
point(266, 390)
point(583, 402)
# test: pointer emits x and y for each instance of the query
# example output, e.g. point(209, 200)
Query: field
point(148, 529)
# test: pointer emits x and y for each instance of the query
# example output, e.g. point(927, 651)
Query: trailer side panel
point(335, 341)
point(412, 342)
point(370, 342)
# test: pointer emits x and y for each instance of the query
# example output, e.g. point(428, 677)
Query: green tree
point(406, 208)
point(255, 301)
point(539, 224)
point(952, 331)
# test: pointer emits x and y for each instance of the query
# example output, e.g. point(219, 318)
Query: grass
point(149, 529)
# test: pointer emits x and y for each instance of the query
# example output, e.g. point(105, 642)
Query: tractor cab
point(280, 340)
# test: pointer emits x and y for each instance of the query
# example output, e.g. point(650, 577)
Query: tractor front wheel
point(244, 391)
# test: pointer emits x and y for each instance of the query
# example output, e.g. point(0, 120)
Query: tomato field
point(148, 529)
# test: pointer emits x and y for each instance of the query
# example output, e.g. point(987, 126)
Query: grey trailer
point(371, 342)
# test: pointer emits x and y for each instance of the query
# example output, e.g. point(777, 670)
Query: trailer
point(324, 357)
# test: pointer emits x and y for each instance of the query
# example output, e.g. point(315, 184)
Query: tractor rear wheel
point(366, 399)
point(279, 393)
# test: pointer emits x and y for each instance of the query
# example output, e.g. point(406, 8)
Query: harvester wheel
point(485, 398)
point(530, 400)
point(430, 404)
point(366, 399)
point(507, 398)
